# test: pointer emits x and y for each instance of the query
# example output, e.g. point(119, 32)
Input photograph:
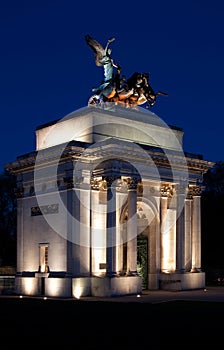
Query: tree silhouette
point(212, 222)
point(7, 219)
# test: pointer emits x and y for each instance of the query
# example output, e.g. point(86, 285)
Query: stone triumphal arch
point(108, 204)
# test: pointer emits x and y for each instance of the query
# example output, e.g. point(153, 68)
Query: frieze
point(45, 209)
point(180, 189)
point(154, 191)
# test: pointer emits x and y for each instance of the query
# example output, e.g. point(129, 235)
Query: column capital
point(19, 192)
point(132, 183)
point(166, 190)
point(111, 180)
point(194, 191)
point(121, 185)
point(98, 184)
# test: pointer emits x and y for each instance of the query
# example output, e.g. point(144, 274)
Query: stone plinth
point(91, 125)
point(185, 281)
point(116, 286)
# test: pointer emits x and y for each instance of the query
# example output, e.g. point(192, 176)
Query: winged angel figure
point(134, 91)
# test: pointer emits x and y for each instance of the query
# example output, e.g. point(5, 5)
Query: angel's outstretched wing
point(97, 48)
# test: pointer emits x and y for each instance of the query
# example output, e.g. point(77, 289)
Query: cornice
point(110, 149)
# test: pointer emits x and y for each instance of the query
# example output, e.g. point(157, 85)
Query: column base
point(111, 274)
point(181, 271)
point(132, 273)
point(195, 269)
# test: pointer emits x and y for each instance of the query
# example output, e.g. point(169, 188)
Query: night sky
point(47, 70)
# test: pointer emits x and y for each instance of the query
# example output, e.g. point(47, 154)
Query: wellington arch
point(108, 204)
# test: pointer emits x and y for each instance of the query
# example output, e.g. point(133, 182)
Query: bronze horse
point(131, 92)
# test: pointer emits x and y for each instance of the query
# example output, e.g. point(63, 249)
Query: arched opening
point(142, 259)
point(145, 216)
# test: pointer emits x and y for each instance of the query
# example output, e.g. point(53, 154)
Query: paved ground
point(151, 320)
point(211, 293)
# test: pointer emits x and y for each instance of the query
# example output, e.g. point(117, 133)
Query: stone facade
point(100, 182)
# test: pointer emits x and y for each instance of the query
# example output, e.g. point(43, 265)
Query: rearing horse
point(134, 91)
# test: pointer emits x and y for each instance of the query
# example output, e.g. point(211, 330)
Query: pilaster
point(195, 194)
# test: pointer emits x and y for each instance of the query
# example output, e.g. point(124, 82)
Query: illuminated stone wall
point(97, 180)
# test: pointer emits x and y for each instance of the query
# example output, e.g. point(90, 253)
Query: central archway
point(146, 214)
point(142, 259)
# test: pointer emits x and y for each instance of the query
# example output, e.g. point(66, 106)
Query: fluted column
point(154, 260)
point(132, 227)
point(163, 213)
point(111, 227)
point(180, 228)
point(168, 229)
point(196, 228)
point(188, 243)
point(154, 240)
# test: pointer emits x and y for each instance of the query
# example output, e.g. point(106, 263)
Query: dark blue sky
point(47, 70)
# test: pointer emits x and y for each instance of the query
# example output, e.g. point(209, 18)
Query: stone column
point(132, 227)
point(85, 225)
point(163, 213)
point(111, 227)
point(154, 239)
point(168, 230)
point(188, 257)
point(180, 228)
point(121, 197)
point(196, 228)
